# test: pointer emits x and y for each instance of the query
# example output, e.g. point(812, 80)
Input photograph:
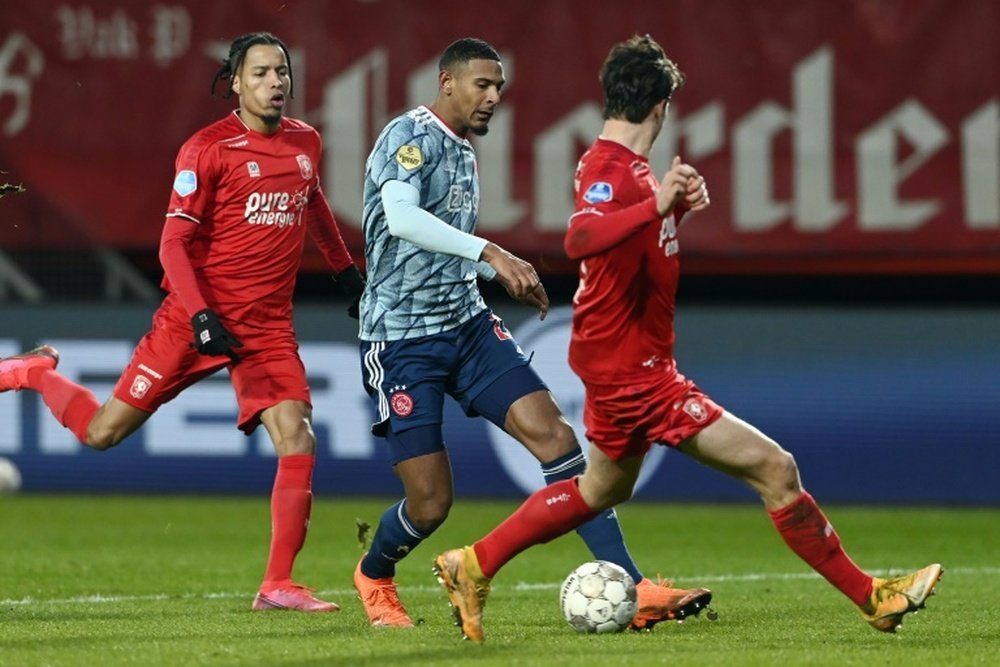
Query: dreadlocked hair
point(238, 51)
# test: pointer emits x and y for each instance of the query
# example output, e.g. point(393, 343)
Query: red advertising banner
point(834, 136)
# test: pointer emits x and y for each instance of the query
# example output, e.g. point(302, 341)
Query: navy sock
point(602, 534)
point(394, 539)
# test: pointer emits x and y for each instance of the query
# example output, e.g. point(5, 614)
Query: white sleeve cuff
point(485, 271)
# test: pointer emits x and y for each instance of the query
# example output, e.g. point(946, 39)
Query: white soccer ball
point(10, 476)
point(598, 596)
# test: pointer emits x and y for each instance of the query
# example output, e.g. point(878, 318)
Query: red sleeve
point(591, 231)
point(323, 229)
point(177, 235)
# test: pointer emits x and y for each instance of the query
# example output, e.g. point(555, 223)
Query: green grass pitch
point(168, 580)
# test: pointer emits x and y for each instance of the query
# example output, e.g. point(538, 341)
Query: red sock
point(545, 515)
point(291, 503)
point(808, 533)
point(73, 405)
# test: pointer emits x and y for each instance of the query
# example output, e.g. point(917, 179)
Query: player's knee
point(564, 437)
point(782, 472)
point(553, 439)
point(102, 438)
point(428, 512)
point(304, 444)
point(787, 469)
point(300, 441)
point(427, 507)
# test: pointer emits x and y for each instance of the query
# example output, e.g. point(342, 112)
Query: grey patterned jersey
point(412, 292)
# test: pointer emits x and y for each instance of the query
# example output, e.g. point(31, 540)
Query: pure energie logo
point(279, 209)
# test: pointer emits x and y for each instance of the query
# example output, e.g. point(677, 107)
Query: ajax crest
point(402, 403)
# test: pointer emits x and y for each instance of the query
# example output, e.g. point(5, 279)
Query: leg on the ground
point(289, 425)
point(427, 483)
point(738, 449)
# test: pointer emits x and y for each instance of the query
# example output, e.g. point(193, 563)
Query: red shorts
point(165, 363)
point(625, 420)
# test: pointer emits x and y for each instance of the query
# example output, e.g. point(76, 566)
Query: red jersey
point(252, 196)
point(623, 309)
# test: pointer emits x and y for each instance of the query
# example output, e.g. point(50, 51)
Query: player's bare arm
point(517, 276)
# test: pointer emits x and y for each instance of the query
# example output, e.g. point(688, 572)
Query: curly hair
point(636, 76)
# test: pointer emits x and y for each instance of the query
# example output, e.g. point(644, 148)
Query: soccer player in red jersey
point(624, 233)
point(245, 192)
point(426, 333)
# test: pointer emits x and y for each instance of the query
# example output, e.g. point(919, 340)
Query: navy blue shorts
point(478, 363)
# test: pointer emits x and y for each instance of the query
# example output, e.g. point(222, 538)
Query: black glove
point(351, 283)
point(211, 338)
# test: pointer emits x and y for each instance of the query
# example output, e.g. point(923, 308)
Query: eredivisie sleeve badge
point(409, 157)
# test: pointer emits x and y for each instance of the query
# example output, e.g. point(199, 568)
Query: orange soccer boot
point(381, 601)
point(657, 602)
point(467, 587)
point(891, 599)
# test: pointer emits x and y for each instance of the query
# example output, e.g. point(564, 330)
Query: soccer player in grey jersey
point(417, 292)
point(426, 332)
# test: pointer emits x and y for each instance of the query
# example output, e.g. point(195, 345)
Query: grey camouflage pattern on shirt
point(412, 292)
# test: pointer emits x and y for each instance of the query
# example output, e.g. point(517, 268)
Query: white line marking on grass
point(98, 598)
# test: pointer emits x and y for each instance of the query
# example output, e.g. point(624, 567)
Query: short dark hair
point(238, 51)
point(636, 76)
point(463, 50)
